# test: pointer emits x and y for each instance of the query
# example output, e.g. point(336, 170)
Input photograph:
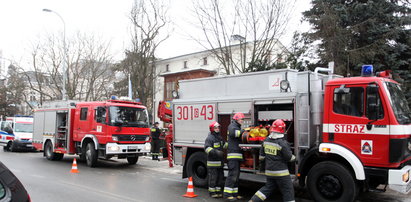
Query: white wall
point(195, 61)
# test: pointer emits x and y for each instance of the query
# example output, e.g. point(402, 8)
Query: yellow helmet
point(255, 132)
point(263, 132)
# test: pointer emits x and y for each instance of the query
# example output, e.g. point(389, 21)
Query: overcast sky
point(23, 22)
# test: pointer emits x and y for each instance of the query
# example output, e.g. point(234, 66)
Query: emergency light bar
point(385, 74)
point(367, 70)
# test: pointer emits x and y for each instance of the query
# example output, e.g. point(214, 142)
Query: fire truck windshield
point(399, 103)
point(23, 127)
point(128, 117)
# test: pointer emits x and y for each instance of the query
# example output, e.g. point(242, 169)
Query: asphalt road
point(115, 180)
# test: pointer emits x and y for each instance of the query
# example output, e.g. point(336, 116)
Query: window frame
point(346, 104)
point(82, 118)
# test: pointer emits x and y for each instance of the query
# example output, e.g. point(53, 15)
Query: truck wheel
point(132, 159)
point(82, 157)
point(331, 181)
point(48, 151)
point(197, 168)
point(91, 155)
point(58, 156)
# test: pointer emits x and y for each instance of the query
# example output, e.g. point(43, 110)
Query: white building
point(202, 64)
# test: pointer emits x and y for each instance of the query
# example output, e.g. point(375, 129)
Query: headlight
point(114, 148)
point(406, 176)
point(114, 138)
point(284, 85)
point(147, 146)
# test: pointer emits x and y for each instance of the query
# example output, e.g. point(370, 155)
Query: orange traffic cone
point(74, 167)
point(190, 189)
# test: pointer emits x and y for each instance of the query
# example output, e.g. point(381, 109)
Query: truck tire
point(91, 155)
point(197, 168)
point(132, 159)
point(58, 156)
point(49, 154)
point(331, 181)
point(82, 157)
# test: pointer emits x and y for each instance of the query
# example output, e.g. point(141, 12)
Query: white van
point(22, 129)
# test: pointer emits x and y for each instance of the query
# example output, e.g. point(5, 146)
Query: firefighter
point(276, 153)
point(234, 157)
point(155, 141)
point(214, 146)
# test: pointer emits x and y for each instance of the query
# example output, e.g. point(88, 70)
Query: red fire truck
point(348, 134)
point(92, 130)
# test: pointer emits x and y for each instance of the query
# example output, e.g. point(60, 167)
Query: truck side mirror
point(372, 102)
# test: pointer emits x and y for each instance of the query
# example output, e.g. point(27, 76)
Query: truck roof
point(65, 105)
point(114, 103)
point(358, 80)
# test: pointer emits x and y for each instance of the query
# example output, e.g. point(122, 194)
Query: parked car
point(11, 189)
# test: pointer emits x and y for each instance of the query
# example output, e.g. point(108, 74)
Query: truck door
point(350, 127)
point(81, 122)
point(98, 125)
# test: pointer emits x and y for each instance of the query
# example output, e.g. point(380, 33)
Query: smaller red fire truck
point(93, 130)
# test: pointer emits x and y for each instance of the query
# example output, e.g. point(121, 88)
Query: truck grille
point(131, 138)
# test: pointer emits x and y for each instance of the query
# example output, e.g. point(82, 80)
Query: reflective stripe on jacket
point(213, 146)
point(234, 133)
point(155, 133)
point(277, 153)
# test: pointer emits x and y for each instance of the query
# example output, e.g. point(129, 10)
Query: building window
point(167, 68)
point(185, 64)
point(83, 113)
point(205, 61)
point(170, 86)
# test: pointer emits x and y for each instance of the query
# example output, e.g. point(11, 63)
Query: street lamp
point(64, 96)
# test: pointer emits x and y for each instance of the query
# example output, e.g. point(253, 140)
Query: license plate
point(132, 147)
point(29, 145)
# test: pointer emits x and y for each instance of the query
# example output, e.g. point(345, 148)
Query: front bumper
point(114, 148)
point(2, 143)
point(22, 144)
point(399, 180)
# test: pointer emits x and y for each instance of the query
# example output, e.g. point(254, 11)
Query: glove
point(292, 158)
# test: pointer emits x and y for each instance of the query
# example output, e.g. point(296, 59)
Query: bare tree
point(89, 74)
point(261, 22)
point(148, 18)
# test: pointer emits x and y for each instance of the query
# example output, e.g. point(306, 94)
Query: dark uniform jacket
point(234, 139)
point(277, 153)
point(155, 133)
point(213, 146)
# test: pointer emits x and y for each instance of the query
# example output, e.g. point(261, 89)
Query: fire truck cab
point(348, 134)
point(92, 130)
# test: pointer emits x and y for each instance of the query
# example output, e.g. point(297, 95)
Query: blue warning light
point(367, 70)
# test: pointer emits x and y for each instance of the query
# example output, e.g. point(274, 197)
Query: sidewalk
point(160, 166)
